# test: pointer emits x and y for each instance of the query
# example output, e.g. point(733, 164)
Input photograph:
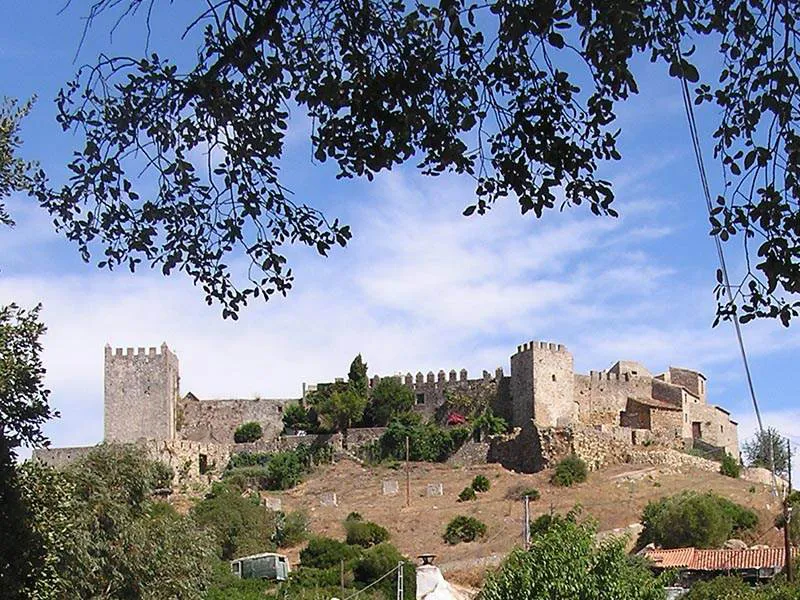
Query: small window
point(554, 376)
point(634, 373)
point(721, 428)
point(203, 464)
point(420, 398)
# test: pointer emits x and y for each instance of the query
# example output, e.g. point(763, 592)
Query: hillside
point(614, 496)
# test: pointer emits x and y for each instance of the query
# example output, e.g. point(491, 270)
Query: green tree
point(566, 562)
point(14, 172)
point(341, 409)
point(295, 417)
point(248, 432)
point(379, 560)
point(239, 524)
point(757, 450)
point(389, 398)
point(569, 471)
point(520, 96)
point(692, 519)
point(104, 537)
point(357, 377)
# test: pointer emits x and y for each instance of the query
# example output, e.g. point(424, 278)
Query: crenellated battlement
point(140, 352)
point(608, 376)
point(539, 345)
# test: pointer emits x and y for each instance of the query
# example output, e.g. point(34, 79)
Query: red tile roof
point(724, 559)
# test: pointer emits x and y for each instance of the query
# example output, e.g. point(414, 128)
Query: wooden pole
point(526, 527)
point(787, 519)
point(408, 477)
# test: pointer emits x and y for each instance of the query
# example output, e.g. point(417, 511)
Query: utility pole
point(526, 527)
point(341, 575)
point(408, 478)
point(400, 590)
point(787, 519)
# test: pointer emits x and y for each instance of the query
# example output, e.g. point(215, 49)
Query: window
point(721, 429)
point(420, 398)
point(554, 376)
point(203, 466)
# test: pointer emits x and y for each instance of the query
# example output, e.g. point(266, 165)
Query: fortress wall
point(59, 458)
point(716, 428)
point(602, 396)
point(431, 391)
point(521, 387)
point(217, 420)
point(691, 380)
point(667, 392)
point(636, 416)
point(667, 426)
point(553, 385)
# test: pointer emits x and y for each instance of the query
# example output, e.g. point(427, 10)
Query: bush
point(428, 442)
point(324, 553)
point(692, 519)
point(162, 475)
point(467, 494)
point(464, 529)
point(365, 533)
point(481, 483)
point(730, 466)
point(520, 491)
point(248, 432)
point(569, 471)
point(722, 588)
point(377, 561)
point(290, 529)
point(354, 516)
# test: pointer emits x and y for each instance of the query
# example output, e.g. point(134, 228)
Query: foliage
point(692, 519)
point(464, 529)
point(467, 494)
point(519, 492)
point(340, 410)
point(357, 377)
point(757, 450)
point(324, 553)
point(566, 562)
point(379, 560)
point(227, 586)
point(427, 441)
point(103, 537)
point(488, 423)
point(239, 524)
point(365, 533)
point(290, 529)
point(296, 418)
point(248, 432)
point(722, 588)
point(24, 404)
point(569, 471)
point(14, 172)
point(481, 483)
point(389, 398)
point(353, 516)
point(730, 467)
point(275, 470)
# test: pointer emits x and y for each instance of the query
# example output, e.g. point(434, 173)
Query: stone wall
point(601, 396)
point(471, 453)
point(61, 457)
point(141, 392)
point(541, 386)
point(691, 380)
point(666, 392)
point(217, 420)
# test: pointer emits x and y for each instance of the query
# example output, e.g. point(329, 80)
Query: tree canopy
point(520, 96)
point(766, 447)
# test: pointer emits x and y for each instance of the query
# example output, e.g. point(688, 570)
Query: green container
point(267, 565)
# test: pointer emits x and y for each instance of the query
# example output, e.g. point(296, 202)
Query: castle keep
point(626, 404)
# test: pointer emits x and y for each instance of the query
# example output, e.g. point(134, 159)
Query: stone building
point(626, 403)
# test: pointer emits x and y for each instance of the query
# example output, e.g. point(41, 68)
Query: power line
point(378, 580)
point(689, 110)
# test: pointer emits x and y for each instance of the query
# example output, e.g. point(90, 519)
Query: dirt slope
point(614, 496)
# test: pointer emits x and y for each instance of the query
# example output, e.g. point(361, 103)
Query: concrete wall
point(217, 420)
point(141, 391)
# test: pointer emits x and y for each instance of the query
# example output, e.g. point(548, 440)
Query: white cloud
point(419, 288)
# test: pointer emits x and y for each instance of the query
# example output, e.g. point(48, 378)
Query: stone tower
point(542, 385)
point(141, 394)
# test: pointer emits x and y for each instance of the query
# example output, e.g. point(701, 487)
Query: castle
point(628, 404)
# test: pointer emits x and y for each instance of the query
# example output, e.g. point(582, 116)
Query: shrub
point(520, 491)
point(248, 432)
point(428, 442)
point(467, 494)
point(464, 529)
point(377, 561)
point(162, 475)
point(354, 516)
point(481, 483)
point(290, 529)
point(365, 533)
point(722, 588)
point(569, 471)
point(323, 553)
point(730, 466)
point(692, 519)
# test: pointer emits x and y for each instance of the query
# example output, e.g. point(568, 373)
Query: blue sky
point(419, 288)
